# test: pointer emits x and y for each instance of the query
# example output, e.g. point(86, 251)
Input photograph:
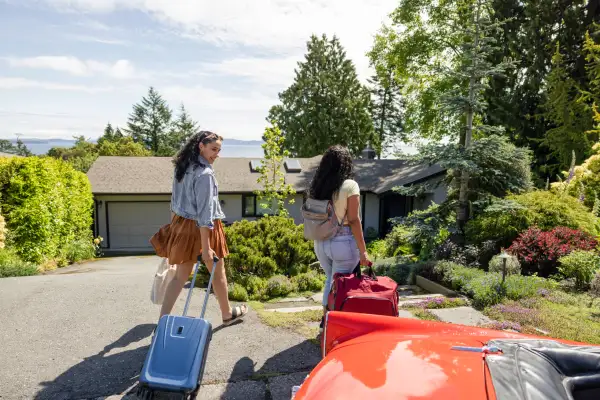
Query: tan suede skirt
point(180, 241)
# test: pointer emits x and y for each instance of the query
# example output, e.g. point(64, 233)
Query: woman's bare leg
point(220, 288)
point(174, 287)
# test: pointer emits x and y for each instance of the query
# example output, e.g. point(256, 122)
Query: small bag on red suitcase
point(364, 293)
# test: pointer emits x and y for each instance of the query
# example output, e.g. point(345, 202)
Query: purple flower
point(504, 325)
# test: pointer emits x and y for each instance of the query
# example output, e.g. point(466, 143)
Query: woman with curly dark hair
point(334, 181)
point(196, 226)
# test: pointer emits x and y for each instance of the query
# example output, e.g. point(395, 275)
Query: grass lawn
point(562, 315)
point(298, 322)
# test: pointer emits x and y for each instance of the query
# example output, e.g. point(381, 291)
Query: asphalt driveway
point(83, 333)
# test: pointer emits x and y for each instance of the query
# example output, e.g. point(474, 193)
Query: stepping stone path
point(409, 294)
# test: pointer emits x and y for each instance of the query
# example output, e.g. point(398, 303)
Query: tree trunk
point(463, 198)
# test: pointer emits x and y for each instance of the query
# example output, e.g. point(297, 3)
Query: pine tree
point(386, 110)
point(567, 113)
point(325, 105)
point(22, 149)
point(150, 121)
point(183, 128)
point(272, 178)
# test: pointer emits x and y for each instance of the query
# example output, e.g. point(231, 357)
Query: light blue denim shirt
point(197, 195)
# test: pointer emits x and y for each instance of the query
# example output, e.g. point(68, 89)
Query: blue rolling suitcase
point(177, 355)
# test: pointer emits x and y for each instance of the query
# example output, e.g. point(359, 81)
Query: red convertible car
point(380, 358)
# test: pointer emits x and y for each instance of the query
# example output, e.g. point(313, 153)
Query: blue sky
point(67, 67)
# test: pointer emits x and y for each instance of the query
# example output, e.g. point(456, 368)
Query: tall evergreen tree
point(182, 129)
point(325, 105)
point(462, 101)
point(570, 116)
point(386, 110)
point(150, 121)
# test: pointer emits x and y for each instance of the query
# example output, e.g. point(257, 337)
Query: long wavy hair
point(190, 152)
point(336, 166)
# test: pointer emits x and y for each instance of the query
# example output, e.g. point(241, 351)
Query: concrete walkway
point(83, 333)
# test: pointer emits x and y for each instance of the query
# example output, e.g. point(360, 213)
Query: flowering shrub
point(504, 325)
point(539, 251)
point(580, 265)
point(528, 316)
point(439, 302)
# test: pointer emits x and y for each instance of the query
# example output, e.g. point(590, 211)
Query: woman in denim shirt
point(334, 181)
point(196, 226)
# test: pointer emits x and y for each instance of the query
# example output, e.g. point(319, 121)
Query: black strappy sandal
point(237, 312)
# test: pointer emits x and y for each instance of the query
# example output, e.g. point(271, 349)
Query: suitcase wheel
point(144, 393)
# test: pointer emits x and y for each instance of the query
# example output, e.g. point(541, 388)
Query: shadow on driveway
point(101, 374)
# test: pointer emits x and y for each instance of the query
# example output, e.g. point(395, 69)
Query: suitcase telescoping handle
point(189, 296)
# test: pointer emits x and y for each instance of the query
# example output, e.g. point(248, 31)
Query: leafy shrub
point(513, 267)
point(47, 205)
point(79, 250)
point(486, 290)
point(397, 242)
point(539, 251)
point(237, 292)
point(471, 255)
point(586, 175)
point(580, 265)
point(309, 281)
point(267, 247)
point(12, 265)
point(401, 270)
point(2, 232)
point(256, 287)
point(518, 287)
point(456, 275)
point(424, 231)
point(439, 302)
point(504, 220)
point(378, 248)
point(279, 286)
point(595, 285)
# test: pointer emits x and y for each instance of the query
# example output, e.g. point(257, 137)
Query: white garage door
point(131, 224)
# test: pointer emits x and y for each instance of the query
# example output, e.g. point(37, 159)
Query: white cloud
point(264, 71)
point(234, 115)
point(22, 83)
point(121, 69)
point(277, 25)
point(94, 39)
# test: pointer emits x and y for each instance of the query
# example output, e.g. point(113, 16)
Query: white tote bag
point(163, 276)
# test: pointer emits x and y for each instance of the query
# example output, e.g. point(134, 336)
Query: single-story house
point(132, 194)
point(2, 154)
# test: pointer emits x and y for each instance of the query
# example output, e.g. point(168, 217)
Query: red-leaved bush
point(539, 251)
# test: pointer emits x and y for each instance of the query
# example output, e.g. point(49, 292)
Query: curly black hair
point(336, 166)
point(190, 152)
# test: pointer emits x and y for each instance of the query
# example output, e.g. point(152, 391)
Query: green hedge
point(47, 205)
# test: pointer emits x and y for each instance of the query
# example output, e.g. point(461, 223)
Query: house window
point(253, 207)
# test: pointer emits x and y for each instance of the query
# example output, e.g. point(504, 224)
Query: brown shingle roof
point(2, 154)
point(154, 175)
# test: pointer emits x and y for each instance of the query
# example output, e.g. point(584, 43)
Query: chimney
point(368, 153)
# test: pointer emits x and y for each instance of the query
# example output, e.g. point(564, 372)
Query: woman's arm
point(356, 226)
point(204, 190)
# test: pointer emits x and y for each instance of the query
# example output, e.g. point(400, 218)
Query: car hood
point(385, 366)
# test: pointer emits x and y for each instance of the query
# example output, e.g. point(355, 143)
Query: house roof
point(154, 175)
point(2, 154)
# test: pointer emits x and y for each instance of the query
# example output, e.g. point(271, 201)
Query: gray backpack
point(320, 220)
